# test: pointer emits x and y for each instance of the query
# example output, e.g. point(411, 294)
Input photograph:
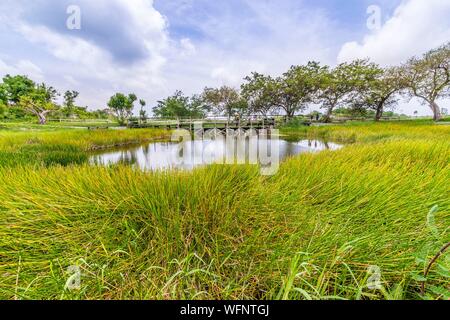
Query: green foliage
point(76, 112)
point(428, 78)
point(224, 100)
point(380, 90)
point(180, 106)
point(3, 95)
point(21, 98)
point(339, 86)
point(142, 113)
point(3, 110)
point(69, 107)
point(122, 106)
point(15, 87)
point(39, 102)
point(437, 269)
point(291, 92)
point(296, 88)
point(69, 98)
point(259, 92)
point(296, 122)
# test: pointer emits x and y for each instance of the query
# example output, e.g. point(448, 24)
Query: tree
point(15, 87)
point(142, 112)
point(3, 95)
point(69, 101)
point(3, 109)
point(428, 78)
point(180, 106)
point(378, 92)
point(133, 98)
point(295, 89)
point(197, 107)
point(384, 91)
point(223, 100)
point(340, 86)
point(175, 106)
point(39, 102)
point(20, 95)
point(259, 91)
point(122, 106)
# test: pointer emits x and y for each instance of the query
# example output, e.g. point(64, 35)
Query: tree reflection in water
point(167, 155)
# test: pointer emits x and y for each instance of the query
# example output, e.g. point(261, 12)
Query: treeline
point(360, 87)
point(22, 99)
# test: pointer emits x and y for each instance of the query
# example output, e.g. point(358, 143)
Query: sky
point(154, 47)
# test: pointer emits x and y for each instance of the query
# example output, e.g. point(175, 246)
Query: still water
point(191, 154)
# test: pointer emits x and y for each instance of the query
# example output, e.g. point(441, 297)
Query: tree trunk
point(42, 118)
point(379, 113)
point(436, 111)
point(327, 117)
point(290, 115)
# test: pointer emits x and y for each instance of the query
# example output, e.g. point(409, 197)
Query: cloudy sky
point(153, 47)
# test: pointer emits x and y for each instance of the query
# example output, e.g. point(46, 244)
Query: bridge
point(222, 124)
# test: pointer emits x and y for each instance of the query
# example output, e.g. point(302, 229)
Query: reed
point(312, 231)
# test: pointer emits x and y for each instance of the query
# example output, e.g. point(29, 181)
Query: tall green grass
point(65, 146)
point(367, 132)
point(312, 231)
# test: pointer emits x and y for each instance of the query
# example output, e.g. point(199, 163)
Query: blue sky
point(184, 14)
point(153, 48)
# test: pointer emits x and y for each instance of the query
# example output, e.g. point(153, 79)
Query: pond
point(190, 154)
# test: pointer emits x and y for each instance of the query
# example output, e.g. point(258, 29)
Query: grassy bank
point(367, 132)
point(54, 125)
point(50, 146)
point(312, 231)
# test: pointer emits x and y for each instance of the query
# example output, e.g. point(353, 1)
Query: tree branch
point(431, 264)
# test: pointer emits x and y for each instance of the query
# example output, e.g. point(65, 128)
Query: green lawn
point(312, 231)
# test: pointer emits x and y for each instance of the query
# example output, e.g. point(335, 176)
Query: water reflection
point(191, 154)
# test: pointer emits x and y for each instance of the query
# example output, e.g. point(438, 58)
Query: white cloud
point(187, 47)
point(22, 67)
point(68, 48)
point(71, 80)
point(225, 76)
point(230, 45)
point(90, 67)
point(268, 38)
point(415, 27)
